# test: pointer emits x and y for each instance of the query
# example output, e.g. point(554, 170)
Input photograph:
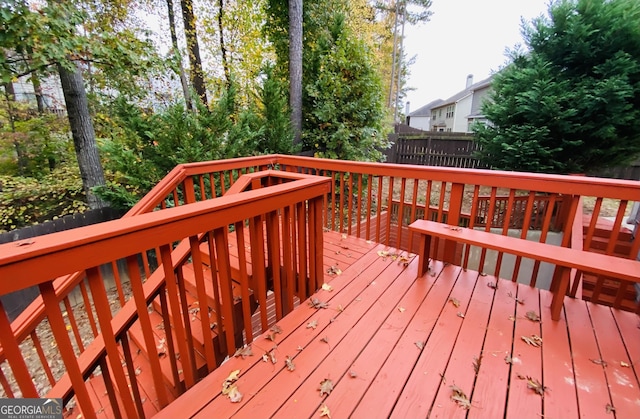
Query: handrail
point(47, 257)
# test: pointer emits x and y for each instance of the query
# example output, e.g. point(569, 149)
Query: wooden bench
point(563, 258)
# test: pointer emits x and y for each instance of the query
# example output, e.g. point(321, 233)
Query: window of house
point(450, 110)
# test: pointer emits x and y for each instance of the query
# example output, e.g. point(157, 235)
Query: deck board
point(377, 312)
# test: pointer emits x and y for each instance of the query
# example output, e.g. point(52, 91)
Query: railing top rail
point(48, 257)
point(563, 184)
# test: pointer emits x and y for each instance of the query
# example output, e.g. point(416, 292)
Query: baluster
point(103, 310)
point(56, 321)
point(14, 357)
point(73, 324)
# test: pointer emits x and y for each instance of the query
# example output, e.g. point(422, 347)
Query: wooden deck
point(393, 345)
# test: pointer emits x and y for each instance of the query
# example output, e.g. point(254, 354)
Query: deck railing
point(189, 240)
point(368, 200)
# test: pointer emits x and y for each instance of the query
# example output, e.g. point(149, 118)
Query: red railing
point(369, 200)
point(194, 238)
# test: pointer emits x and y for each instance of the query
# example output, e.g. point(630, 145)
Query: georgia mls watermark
point(30, 408)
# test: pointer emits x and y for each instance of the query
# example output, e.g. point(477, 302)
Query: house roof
point(426, 109)
point(463, 93)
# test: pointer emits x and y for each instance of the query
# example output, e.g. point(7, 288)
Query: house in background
point(460, 111)
point(421, 117)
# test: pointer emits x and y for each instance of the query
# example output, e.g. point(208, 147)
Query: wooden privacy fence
point(437, 149)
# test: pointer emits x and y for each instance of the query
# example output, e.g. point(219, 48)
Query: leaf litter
point(326, 387)
point(459, 397)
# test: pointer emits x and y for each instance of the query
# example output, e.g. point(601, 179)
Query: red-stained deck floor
point(393, 345)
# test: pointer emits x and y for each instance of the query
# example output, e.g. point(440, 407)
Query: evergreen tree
point(572, 103)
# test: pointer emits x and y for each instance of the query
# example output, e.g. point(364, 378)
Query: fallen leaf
point(476, 363)
point(420, 344)
point(272, 356)
point(492, 285)
point(352, 374)
point(327, 287)
point(299, 348)
point(312, 324)
point(265, 357)
point(520, 376)
point(536, 386)
point(271, 336)
point(512, 318)
point(460, 314)
point(533, 340)
point(325, 340)
point(228, 382)
point(599, 362)
point(138, 371)
point(334, 270)
point(624, 364)
point(383, 253)
point(344, 236)
point(326, 387)
point(234, 394)
point(244, 352)
point(276, 329)
point(401, 309)
point(324, 411)
point(340, 308)
point(518, 300)
point(315, 303)
point(508, 359)
point(455, 301)
point(533, 316)
point(459, 397)
point(610, 408)
point(289, 363)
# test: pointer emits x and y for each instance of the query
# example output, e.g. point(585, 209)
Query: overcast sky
point(463, 37)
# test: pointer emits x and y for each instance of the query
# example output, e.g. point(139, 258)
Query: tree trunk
point(223, 48)
point(84, 137)
point(295, 68)
point(197, 75)
point(176, 49)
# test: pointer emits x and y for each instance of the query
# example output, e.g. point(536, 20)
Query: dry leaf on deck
point(353, 374)
point(458, 396)
point(455, 301)
point(315, 303)
point(326, 387)
point(420, 344)
point(624, 364)
point(325, 340)
point(460, 314)
point(234, 395)
point(476, 363)
point(533, 316)
point(609, 408)
point(533, 340)
point(536, 386)
point(271, 336)
point(276, 329)
point(334, 270)
point(518, 300)
point(228, 382)
point(272, 356)
point(599, 362)
point(492, 285)
point(312, 324)
point(324, 411)
point(508, 359)
point(327, 287)
point(383, 253)
point(244, 352)
point(401, 309)
point(289, 363)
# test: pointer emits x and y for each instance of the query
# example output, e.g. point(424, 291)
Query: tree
point(572, 103)
point(344, 110)
point(295, 68)
point(44, 40)
point(191, 34)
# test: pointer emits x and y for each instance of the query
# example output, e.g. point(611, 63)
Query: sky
point(463, 37)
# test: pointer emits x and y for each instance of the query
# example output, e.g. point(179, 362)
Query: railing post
point(14, 356)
